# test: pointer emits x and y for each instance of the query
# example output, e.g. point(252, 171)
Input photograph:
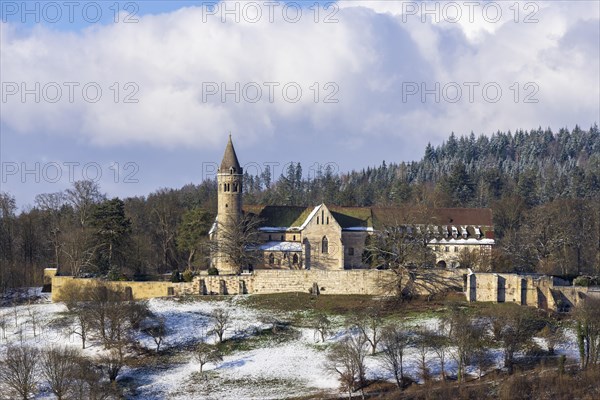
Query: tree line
point(543, 188)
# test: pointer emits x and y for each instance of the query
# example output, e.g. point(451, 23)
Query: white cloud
point(369, 54)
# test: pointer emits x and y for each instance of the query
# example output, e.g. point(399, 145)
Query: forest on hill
point(543, 188)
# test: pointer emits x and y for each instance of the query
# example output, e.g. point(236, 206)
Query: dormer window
point(454, 232)
point(463, 232)
point(231, 171)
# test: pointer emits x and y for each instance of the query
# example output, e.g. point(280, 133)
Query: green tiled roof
point(352, 217)
point(280, 216)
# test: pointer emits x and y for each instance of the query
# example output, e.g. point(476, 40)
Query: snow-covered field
point(270, 368)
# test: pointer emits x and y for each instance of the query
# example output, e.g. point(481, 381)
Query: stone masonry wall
point(360, 282)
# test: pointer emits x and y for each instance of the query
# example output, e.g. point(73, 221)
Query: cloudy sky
point(142, 95)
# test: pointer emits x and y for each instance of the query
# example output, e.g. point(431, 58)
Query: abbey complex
point(334, 238)
point(325, 250)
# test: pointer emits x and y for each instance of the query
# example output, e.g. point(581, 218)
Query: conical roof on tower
point(230, 159)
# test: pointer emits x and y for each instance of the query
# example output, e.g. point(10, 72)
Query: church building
point(326, 237)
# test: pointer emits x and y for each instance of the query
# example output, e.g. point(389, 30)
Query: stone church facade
point(333, 238)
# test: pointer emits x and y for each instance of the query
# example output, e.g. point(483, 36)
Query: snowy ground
point(271, 368)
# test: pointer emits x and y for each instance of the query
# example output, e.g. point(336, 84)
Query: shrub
point(188, 275)
point(582, 281)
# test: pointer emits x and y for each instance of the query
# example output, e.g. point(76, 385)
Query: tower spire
point(230, 159)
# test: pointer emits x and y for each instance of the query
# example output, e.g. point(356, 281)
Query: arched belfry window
point(324, 245)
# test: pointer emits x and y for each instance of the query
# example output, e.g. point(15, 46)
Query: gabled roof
point(352, 217)
point(436, 216)
point(279, 216)
point(230, 159)
point(367, 218)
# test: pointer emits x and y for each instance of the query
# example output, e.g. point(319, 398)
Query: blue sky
point(148, 101)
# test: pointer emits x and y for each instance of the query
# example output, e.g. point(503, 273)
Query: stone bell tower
point(229, 201)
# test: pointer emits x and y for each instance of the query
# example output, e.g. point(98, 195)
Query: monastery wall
point(532, 290)
point(139, 290)
point(365, 282)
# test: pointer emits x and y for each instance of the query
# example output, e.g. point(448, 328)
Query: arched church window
point(324, 245)
point(295, 259)
point(317, 220)
point(235, 187)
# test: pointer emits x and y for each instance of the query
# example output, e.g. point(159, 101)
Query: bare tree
point(165, 216)
point(78, 306)
point(587, 316)
point(52, 203)
point(19, 371)
point(34, 318)
point(207, 353)
point(3, 324)
point(59, 368)
point(423, 341)
point(402, 246)
point(89, 382)
point(369, 324)
point(518, 325)
point(322, 326)
point(394, 342)
point(465, 334)
point(554, 335)
point(221, 322)
point(347, 359)
point(238, 242)
point(482, 358)
point(78, 250)
point(157, 331)
point(112, 362)
point(439, 343)
point(82, 197)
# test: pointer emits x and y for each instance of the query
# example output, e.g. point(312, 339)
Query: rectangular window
point(447, 249)
point(456, 249)
point(350, 251)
